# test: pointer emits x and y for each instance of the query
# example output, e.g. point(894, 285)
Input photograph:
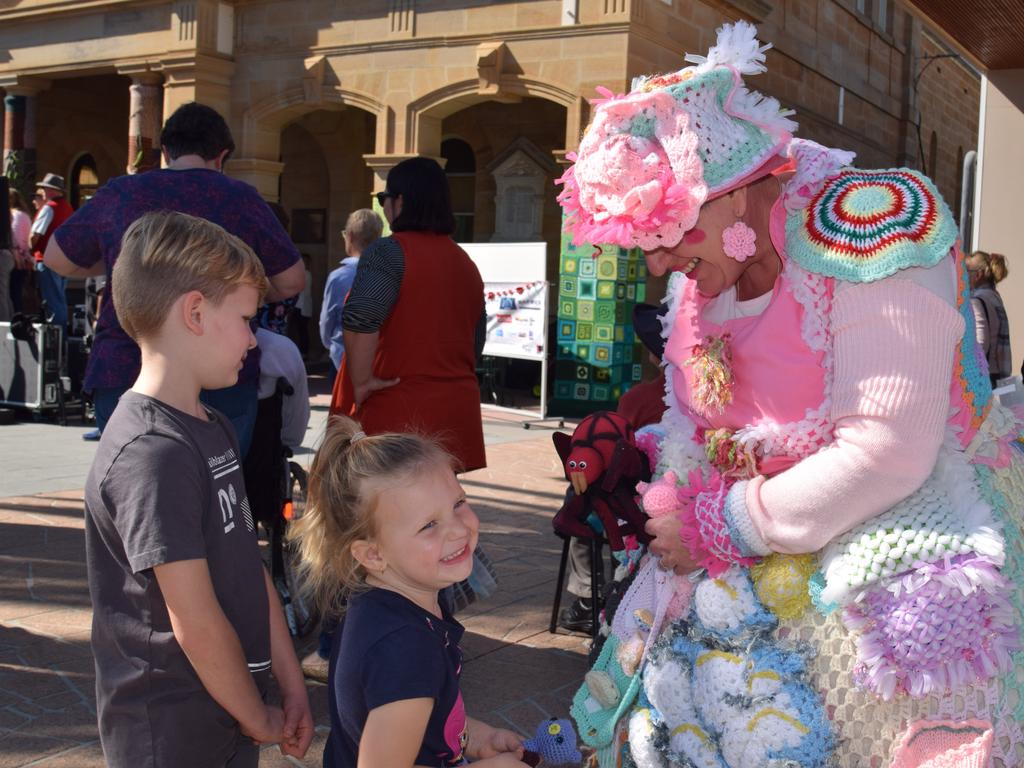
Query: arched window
point(460, 167)
point(84, 179)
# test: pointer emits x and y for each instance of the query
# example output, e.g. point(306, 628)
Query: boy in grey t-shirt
point(187, 628)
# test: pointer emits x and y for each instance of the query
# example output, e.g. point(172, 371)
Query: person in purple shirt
point(196, 142)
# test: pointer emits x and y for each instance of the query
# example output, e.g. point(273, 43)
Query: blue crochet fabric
point(814, 589)
point(596, 721)
point(555, 742)
point(744, 699)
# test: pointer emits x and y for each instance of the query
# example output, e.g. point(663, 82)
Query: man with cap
point(53, 212)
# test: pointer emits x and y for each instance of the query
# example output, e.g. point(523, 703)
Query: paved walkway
point(515, 674)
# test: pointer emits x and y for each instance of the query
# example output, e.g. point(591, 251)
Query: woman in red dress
point(413, 321)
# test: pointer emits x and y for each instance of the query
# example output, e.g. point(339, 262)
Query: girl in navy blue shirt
point(387, 525)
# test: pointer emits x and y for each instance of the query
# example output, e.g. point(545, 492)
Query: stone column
point(19, 163)
point(197, 77)
point(144, 121)
point(265, 175)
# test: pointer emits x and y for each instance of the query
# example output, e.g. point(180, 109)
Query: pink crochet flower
point(640, 181)
point(739, 242)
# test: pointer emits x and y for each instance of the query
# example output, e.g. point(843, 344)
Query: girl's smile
point(458, 556)
point(425, 536)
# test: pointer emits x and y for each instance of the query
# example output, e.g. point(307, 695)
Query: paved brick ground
point(515, 673)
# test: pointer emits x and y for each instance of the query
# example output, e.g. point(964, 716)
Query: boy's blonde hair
point(363, 227)
point(347, 475)
point(166, 254)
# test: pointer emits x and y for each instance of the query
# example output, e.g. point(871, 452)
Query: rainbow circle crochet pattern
point(866, 225)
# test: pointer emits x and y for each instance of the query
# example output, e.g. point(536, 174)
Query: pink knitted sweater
point(893, 346)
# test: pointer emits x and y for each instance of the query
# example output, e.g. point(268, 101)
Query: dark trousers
point(580, 567)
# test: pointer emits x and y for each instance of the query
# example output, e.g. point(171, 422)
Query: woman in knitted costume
point(832, 471)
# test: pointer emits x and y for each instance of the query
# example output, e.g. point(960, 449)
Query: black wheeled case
point(30, 368)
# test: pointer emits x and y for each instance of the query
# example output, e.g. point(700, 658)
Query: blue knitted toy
point(554, 744)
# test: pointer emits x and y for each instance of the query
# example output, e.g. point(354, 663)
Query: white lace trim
point(814, 164)
point(679, 451)
point(673, 293)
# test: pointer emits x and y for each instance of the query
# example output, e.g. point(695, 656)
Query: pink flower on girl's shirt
point(455, 734)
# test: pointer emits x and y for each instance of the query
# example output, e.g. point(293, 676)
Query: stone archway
point(423, 116)
point(257, 159)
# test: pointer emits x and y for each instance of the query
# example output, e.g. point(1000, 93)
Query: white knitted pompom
point(737, 47)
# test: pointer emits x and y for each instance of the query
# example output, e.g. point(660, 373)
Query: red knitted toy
point(604, 465)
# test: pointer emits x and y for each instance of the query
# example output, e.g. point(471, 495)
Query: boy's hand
point(269, 730)
point(298, 724)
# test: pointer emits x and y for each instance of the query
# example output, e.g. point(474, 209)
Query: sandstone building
point(324, 96)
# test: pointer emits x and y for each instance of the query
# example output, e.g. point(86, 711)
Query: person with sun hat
point(839, 477)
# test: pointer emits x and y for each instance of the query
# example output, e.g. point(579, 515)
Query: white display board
point(516, 301)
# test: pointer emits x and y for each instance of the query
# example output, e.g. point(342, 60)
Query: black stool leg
point(558, 587)
point(596, 583)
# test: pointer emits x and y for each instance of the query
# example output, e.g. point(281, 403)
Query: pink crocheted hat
point(651, 158)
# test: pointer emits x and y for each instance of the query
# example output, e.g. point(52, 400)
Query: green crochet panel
point(863, 226)
point(597, 729)
point(745, 147)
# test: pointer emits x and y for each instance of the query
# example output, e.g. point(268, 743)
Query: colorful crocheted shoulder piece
point(970, 368)
point(863, 226)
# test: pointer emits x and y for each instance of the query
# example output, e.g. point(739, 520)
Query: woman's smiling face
point(699, 254)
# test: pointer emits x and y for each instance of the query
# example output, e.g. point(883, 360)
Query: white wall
point(1000, 205)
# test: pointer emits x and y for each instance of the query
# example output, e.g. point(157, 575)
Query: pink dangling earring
point(739, 242)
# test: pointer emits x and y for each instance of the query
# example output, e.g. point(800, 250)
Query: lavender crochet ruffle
point(943, 625)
